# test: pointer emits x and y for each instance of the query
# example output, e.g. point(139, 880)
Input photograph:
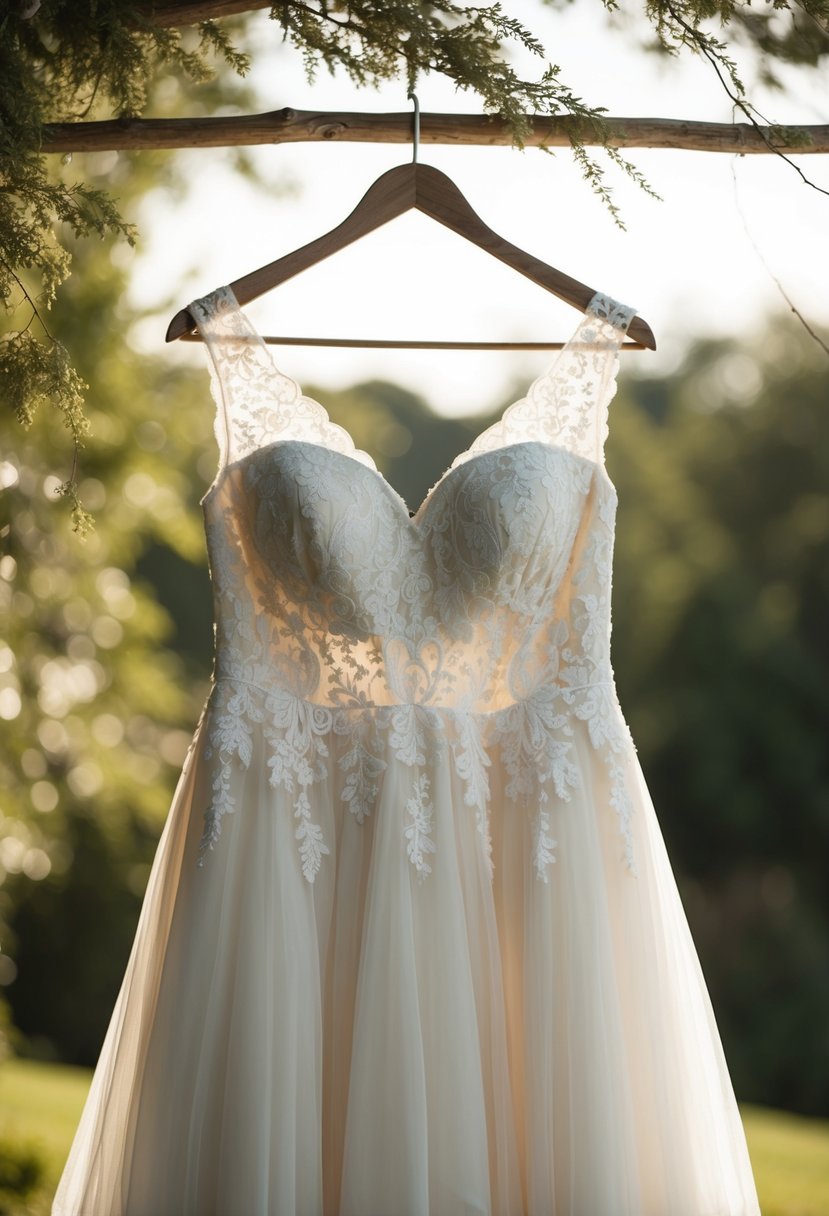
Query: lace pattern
point(350, 638)
point(568, 404)
point(256, 404)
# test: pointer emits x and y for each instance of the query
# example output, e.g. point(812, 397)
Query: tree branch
point(299, 126)
point(716, 55)
point(192, 11)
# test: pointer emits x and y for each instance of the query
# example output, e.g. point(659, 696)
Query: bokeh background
point(719, 448)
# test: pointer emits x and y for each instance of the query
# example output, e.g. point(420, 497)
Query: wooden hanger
point(401, 189)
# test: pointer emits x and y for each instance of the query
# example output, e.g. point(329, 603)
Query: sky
point(698, 263)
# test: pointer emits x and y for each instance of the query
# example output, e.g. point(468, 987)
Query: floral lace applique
point(419, 830)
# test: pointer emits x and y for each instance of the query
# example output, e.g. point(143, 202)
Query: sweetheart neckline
point(411, 519)
point(461, 458)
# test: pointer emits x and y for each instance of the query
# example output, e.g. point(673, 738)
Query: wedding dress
point(411, 943)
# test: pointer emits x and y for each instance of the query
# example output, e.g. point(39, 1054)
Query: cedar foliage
point(73, 60)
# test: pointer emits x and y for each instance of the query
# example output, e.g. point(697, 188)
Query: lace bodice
point(476, 628)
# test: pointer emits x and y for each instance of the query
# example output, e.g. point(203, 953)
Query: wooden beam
point(300, 126)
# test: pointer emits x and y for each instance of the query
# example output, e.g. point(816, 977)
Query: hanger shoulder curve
point(439, 198)
point(400, 189)
point(390, 195)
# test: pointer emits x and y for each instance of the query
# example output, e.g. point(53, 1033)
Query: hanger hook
point(416, 139)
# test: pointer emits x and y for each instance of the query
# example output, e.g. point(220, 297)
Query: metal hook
point(416, 137)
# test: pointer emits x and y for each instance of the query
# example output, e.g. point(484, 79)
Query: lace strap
point(567, 406)
point(256, 403)
point(613, 320)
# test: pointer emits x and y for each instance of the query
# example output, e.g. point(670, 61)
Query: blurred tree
point(95, 701)
point(720, 640)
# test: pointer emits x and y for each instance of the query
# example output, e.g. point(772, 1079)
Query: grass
point(41, 1104)
point(790, 1158)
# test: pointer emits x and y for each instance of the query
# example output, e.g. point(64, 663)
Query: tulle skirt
point(371, 1044)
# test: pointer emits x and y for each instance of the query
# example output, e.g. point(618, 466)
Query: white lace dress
point(411, 943)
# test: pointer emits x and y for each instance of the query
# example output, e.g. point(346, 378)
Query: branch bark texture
point(190, 12)
point(301, 126)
